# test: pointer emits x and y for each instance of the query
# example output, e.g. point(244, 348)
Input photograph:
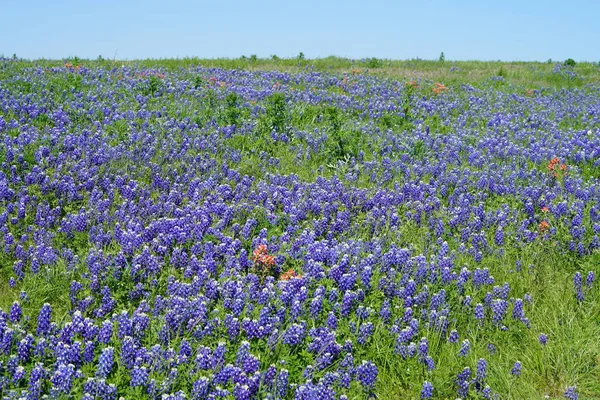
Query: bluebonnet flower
point(486, 393)
point(25, 348)
point(479, 312)
point(518, 310)
point(516, 369)
point(106, 332)
point(429, 363)
point(499, 308)
point(578, 283)
point(481, 370)
point(463, 380)
point(317, 391)
point(282, 383)
point(139, 376)
point(128, 352)
point(36, 377)
point(242, 392)
point(218, 357)
point(499, 237)
point(571, 393)
point(590, 278)
point(200, 388)
point(62, 379)
point(543, 339)
point(365, 331)
point(295, 334)
point(366, 374)
point(423, 349)
point(269, 375)
point(427, 390)
point(105, 362)
point(18, 375)
point(465, 348)
point(453, 337)
point(15, 312)
point(88, 351)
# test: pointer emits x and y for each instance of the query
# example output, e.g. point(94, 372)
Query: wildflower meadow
point(184, 230)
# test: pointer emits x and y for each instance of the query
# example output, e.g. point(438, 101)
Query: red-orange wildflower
point(260, 257)
point(554, 165)
point(439, 88)
point(289, 274)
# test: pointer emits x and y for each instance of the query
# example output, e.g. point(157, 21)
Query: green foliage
point(198, 82)
point(340, 144)
point(396, 122)
point(232, 111)
point(502, 72)
point(332, 117)
point(407, 98)
point(418, 149)
point(43, 121)
point(153, 86)
point(118, 131)
point(374, 63)
point(569, 62)
point(442, 57)
point(74, 82)
point(276, 114)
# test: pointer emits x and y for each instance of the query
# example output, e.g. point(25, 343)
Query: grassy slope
point(573, 352)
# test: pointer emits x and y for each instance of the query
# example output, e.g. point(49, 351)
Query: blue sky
point(509, 30)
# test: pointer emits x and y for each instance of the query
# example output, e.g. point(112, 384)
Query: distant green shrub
point(332, 117)
point(276, 114)
point(153, 86)
point(374, 63)
point(569, 62)
point(502, 72)
point(232, 110)
point(198, 81)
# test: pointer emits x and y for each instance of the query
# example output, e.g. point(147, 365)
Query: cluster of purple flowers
point(153, 209)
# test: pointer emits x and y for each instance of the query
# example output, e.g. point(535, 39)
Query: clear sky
point(509, 30)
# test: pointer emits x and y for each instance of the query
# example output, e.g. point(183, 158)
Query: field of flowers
point(206, 233)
